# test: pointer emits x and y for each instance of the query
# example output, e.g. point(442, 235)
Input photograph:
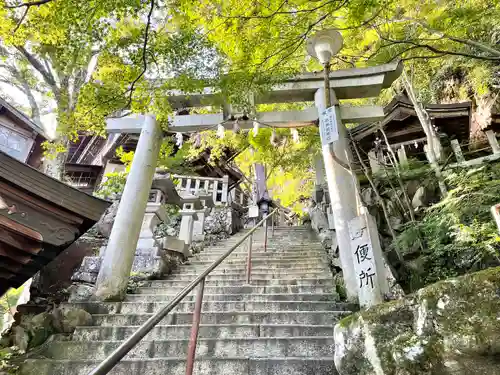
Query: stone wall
point(221, 223)
point(158, 262)
point(448, 328)
point(53, 280)
point(318, 221)
point(319, 224)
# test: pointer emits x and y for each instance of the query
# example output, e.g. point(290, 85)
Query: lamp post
point(323, 46)
point(336, 155)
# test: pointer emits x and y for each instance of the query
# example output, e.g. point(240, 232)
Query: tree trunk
point(55, 166)
point(433, 143)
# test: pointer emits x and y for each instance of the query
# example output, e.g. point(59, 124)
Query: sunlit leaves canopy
point(95, 58)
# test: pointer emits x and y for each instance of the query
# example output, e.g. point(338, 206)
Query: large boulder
point(41, 327)
point(20, 338)
point(79, 292)
point(75, 318)
point(319, 223)
point(448, 328)
point(105, 223)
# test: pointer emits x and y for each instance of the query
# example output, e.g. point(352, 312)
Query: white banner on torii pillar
point(328, 126)
point(368, 260)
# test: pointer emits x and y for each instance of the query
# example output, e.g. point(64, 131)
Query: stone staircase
point(280, 324)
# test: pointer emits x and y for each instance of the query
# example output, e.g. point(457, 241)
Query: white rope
point(179, 139)
point(220, 131)
point(255, 128)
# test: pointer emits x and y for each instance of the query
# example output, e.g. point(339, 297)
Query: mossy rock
point(448, 328)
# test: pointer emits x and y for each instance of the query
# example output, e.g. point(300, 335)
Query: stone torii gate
point(345, 84)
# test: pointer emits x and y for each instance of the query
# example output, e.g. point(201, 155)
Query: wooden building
point(39, 218)
point(20, 137)
point(92, 157)
point(403, 129)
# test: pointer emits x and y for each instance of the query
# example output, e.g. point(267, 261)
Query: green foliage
point(6, 364)
point(171, 209)
point(237, 47)
point(458, 234)
point(113, 184)
point(457, 40)
point(7, 354)
point(9, 299)
point(174, 160)
point(287, 163)
point(414, 170)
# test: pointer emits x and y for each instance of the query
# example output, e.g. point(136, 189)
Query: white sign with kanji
point(368, 260)
point(328, 128)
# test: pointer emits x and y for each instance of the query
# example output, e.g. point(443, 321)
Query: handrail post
point(193, 339)
point(272, 226)
point(249, 258)
point(265, 233)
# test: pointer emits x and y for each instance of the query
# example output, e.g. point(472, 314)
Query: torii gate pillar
point(342, 191)
point(119, 256)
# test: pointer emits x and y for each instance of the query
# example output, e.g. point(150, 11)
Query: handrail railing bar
point(107, 365)
point(193, 339)
point(265, 232)
point(249, 258)
point(272, 226)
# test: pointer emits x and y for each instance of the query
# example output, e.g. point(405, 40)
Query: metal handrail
point(107, 365)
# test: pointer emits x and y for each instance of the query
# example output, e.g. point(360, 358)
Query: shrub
point(456, 235)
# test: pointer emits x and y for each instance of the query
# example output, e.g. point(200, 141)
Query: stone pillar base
point(150, 262)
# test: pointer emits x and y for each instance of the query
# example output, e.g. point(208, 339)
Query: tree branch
point(21, 20)
point(23, 86)
point(144, 55)
point(469, 42)
point(433, 49)
point(47, 75)
point(131, 88)
point(278, 11)
point(29, 4)
point(27, 7)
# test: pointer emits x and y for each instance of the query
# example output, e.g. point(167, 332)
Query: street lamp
point(336, 155)
point(323, 46)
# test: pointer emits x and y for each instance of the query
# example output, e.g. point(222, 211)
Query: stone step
point(272, 274)
point(284, 249)
point(289, 258)
point(316, 346)
point(222, 306)
point(233, 297)
point(273, 245)
point(262, 262)
point(255, 268)
point(259, 263)
point(258, 272)
point(229, 317)
point(177, 366)
point(242, 282)
point(284, 256)
point(283, 289)
point(206, 331)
